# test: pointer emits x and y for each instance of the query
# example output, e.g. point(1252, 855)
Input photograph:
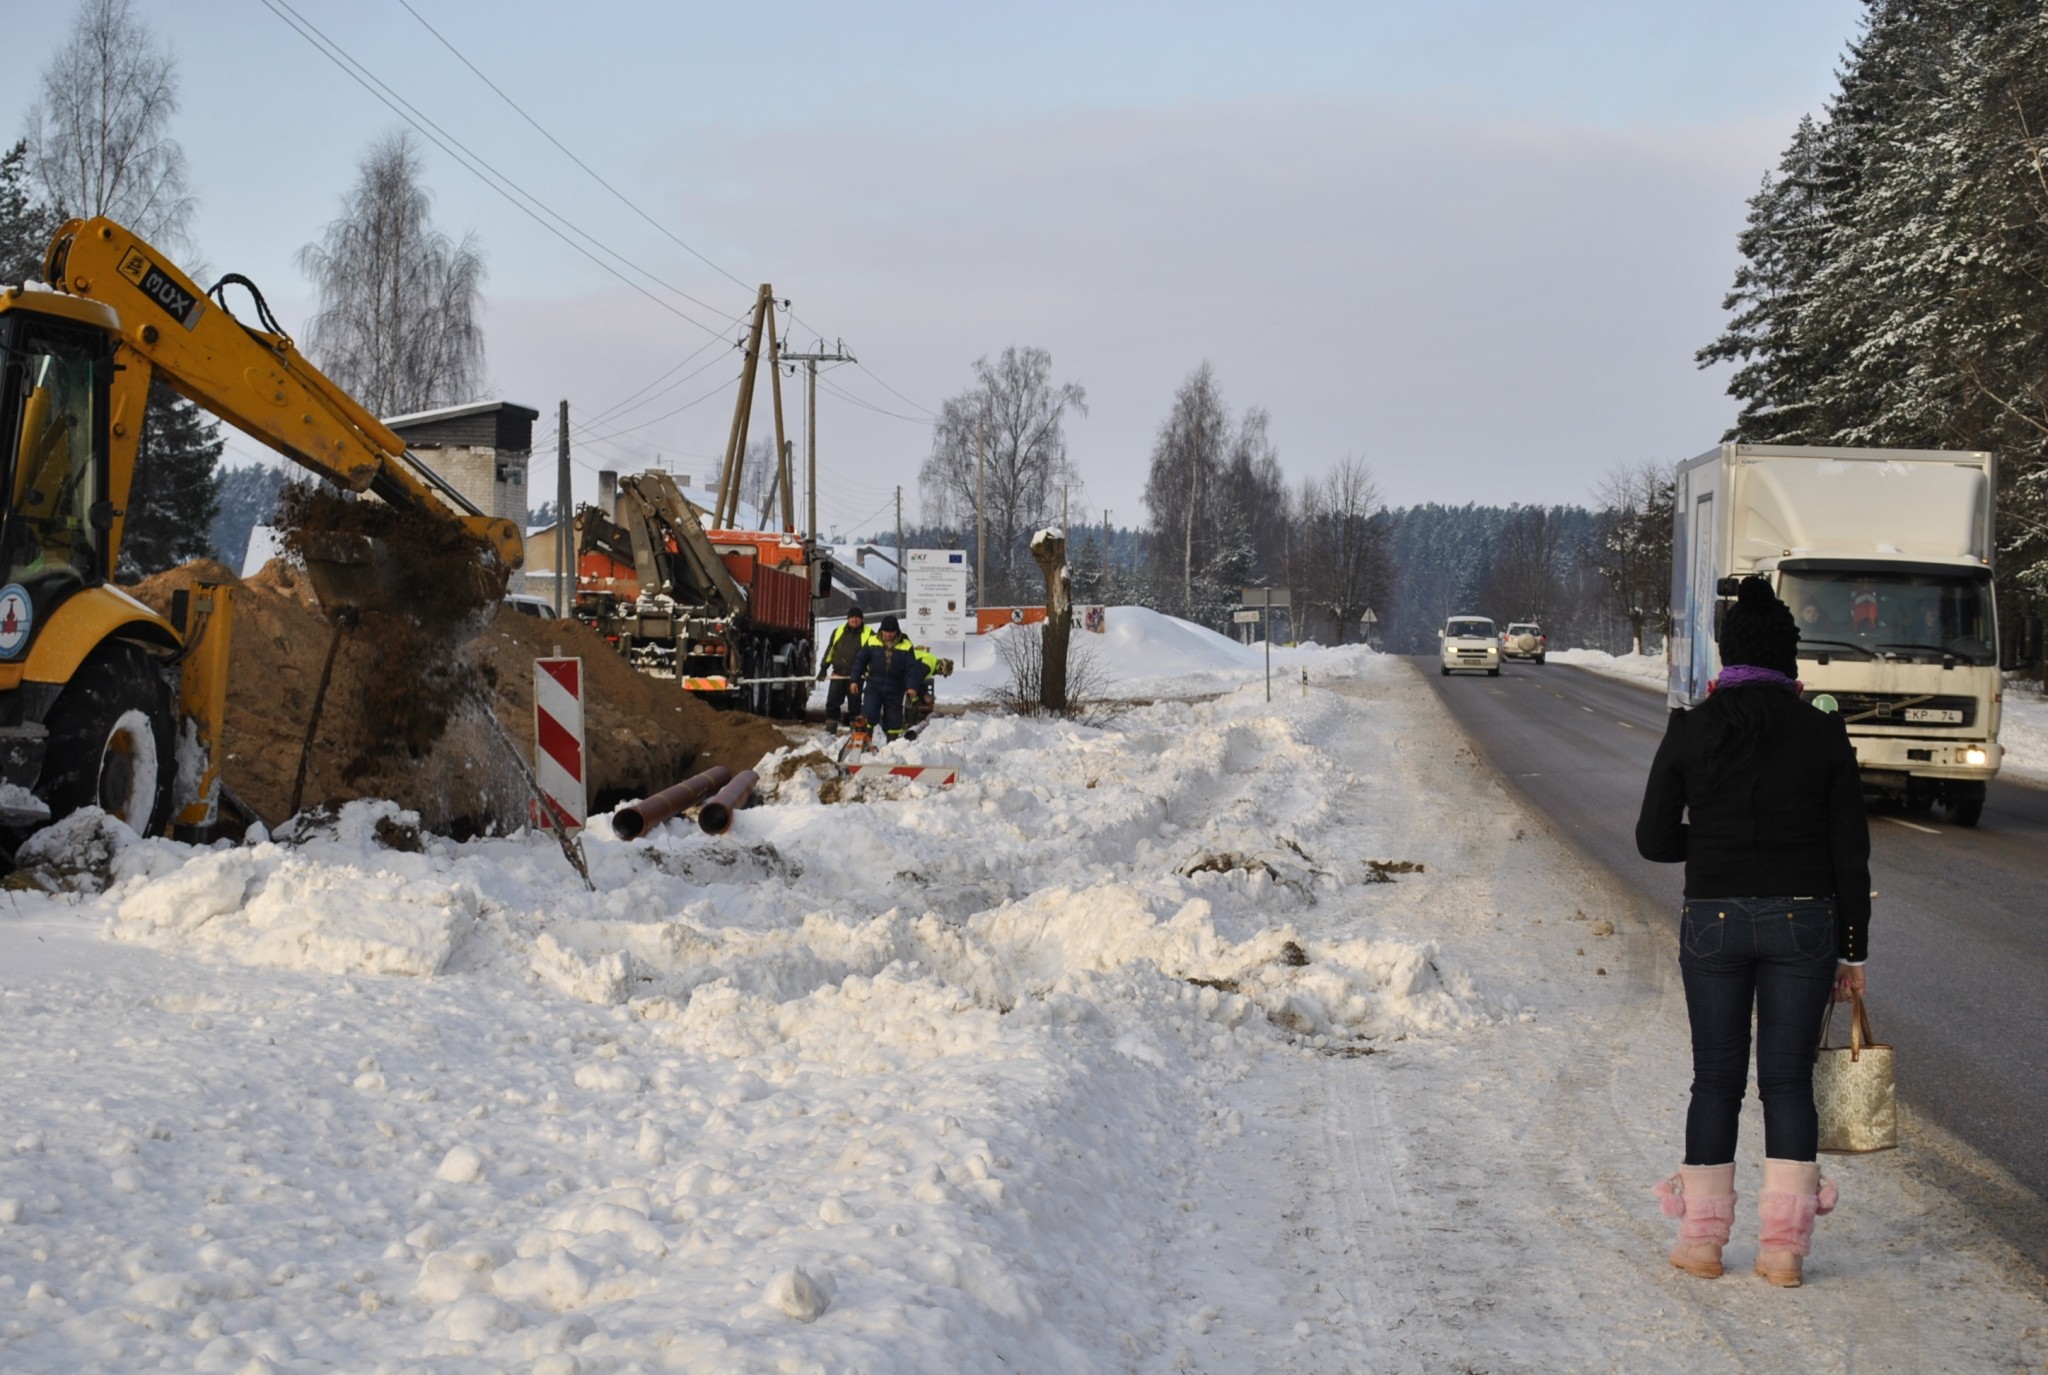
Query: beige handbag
point(1852, 1088)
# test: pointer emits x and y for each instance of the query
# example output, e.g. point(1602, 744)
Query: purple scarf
point(1749, 675)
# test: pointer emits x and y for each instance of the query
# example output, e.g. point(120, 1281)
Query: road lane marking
point(1913, 825)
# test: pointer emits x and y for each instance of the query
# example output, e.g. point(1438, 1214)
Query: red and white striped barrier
point(934, 774)
point(558, 757)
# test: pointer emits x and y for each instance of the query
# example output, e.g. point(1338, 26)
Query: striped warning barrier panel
point(927, 773)
point(719, 684)
point(558, 755)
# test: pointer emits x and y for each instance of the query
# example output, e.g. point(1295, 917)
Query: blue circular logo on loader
point(17, 616)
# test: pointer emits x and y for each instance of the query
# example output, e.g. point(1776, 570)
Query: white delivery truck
point(1884, 556)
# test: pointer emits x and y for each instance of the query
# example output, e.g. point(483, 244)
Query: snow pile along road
point(887, 1078)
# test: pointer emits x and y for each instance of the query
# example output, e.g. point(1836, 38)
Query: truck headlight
point(1976, 756)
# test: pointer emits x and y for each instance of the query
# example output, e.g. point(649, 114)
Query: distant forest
point(1561, 566)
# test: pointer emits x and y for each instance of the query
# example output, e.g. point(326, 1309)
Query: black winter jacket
point(1790, 823)
point(841, 650)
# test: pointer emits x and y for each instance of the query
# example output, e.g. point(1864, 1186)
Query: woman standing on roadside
point(1776, 850)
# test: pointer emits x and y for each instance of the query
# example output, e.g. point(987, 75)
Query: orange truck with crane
point(104, 702)
point(726, 611)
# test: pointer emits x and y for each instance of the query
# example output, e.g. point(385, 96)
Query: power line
point(846, 395)
point(480, 168)
point(623, 198)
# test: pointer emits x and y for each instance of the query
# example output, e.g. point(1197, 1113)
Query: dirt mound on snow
point(642, 733)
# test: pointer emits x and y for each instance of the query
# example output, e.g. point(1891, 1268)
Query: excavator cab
point(53, 533)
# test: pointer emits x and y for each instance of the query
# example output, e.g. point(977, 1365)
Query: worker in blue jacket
point(887, 671)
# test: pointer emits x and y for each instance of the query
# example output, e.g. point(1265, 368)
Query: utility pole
point(565, 556)
point(810, 361)
point(980, 520)
point(1063, 508)
point(902, 590)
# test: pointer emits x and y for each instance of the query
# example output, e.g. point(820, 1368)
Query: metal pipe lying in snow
point(630, 823)
point(715, 816)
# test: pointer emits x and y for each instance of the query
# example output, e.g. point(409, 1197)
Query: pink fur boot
point(1702, 1197)
point(1794, 1194)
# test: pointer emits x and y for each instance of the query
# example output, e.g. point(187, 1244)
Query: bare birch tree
point(98, 140)
point(1635, 545)
point(1340, 562)
point(397, 323)
point(1181, 488)
point(1015, 417)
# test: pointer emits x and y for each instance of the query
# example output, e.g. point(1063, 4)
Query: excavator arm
point(255, 379)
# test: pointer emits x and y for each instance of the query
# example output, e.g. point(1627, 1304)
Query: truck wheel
point(1493, 673)
point(1446, 672)
point(111, 742)
point(1964, 803)
point(1539, 661)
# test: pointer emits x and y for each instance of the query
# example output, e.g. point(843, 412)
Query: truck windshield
point(1471, 630)
point(1895, 614)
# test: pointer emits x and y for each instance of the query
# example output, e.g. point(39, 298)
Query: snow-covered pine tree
point(1782, 248)
point(26, 223)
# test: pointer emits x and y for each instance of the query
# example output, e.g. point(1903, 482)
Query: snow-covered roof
point(453, 412)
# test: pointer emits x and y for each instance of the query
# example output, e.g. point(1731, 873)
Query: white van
point(1470, 642)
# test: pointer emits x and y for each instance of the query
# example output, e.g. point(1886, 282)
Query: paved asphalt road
point(1958, 931)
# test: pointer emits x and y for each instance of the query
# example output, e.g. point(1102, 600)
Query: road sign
point(1268, 596)
point(558, 755)
point(1246, 617)
point(1369, 618)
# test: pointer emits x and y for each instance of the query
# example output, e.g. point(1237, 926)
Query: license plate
point(1940, 716)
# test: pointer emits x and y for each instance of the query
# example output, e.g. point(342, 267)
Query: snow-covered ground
point(1231, 1037)
point(1139, 653)
point(2023, 727)
point(1641, 668)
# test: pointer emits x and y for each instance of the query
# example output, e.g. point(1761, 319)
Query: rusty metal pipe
point(715, 816)
point(630, 823)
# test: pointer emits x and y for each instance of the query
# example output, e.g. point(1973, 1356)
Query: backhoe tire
point(111, 742)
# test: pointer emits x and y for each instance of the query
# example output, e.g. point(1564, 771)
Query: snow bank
point(889, 1077)
point(2023, 730)
point(1645, 668)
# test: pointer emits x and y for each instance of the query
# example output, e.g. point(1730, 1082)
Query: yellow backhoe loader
point(103, 701)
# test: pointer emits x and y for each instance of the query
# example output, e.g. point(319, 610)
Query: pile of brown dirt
point(641, 734)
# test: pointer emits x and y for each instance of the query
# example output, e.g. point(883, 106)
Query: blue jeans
point(1776, 955)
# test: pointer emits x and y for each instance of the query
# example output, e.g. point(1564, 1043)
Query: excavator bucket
point(351, 573)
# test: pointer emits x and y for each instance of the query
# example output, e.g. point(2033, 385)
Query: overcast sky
point(1475, 244)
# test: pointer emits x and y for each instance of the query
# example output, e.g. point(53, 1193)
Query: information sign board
point(935, 596)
